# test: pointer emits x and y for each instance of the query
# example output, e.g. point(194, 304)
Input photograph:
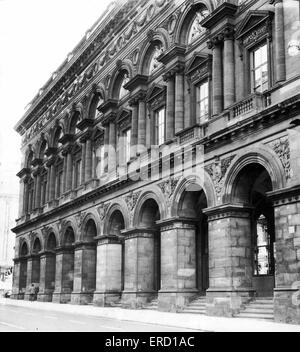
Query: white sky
point(35, 38)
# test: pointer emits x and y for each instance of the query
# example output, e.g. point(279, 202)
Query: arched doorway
point(68, 264)
point(110, 261)
point(149, 215)
point(85, 266)
point(116, 225)
point(250, 188)
point(36, 263)
point(191, 205)
point(23, 270)
point(50, 267)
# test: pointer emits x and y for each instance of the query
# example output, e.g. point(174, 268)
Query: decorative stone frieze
point(282, 148)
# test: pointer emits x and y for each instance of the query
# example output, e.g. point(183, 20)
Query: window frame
point(157, 125)
point(252, 69)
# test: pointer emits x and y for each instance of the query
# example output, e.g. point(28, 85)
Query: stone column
point(47, 277)
point(69, 172)
point(52, 182)
point(83, 154)
point(37, 200)
point(134, 129)
point(64, 275)
point(106, 148)
point(230, 259)
point(287, 250)
point(279, 41)
point(88, 160)
point(139, 268)
point(33, 273)
point(142, 125)
point(112, 157)
point(25, 196)
point(217, 75)
point(179, 99)
point(109, 271)
point(178, 264)
point(84, 273)
point(16, 280)
point(229, 78)
point(170, 118)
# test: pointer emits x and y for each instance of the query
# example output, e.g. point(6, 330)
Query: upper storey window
point(259, 69)
point(203, 101)
point(154, 63)
point(196, 30)
point(124, 92)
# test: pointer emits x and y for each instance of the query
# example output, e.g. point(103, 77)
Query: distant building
point(161, 163)
point(9, 202)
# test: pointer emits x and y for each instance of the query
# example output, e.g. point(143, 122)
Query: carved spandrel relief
point(217, 172)
point(102, 210)
point(131, 201)
point(282, 148)
point(168, 188)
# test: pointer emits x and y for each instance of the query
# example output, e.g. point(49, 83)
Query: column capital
point(228, 211)
point(67, 149)
point(86, 136)
point(138, 232)
point(139, 96)
point(228, 32)
point(84, 245)
point(108, 239)
point(23, 173)
point(178, 68)
point(177, 222)
point(215, 41)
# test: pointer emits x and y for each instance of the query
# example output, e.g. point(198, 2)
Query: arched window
point(124, 92)
point(154, 63)
point(196, 30)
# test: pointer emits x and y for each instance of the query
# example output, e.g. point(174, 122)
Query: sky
point(35, 38)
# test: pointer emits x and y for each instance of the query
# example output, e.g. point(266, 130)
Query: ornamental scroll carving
point(217, 172)
point(131, 201)
point(282, 148)
point(102, 210)
point(79, 219)
point(168, 188)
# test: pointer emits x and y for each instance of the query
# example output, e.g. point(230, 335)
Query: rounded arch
point(159, 38)
point(29, 156)
point(187, 18)
point(74, 118)
point(259, 156)
point(70, 224)
point(68, 238)
point(43, 145)
point(123, 69)
point(24, 248)
point(90, 227)
point(51, 242)
point(154, 194)
point(116, 213)
point(193, 183)
point(37, 246)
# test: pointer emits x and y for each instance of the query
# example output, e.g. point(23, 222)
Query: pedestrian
point(31, 293)
point(36, 291)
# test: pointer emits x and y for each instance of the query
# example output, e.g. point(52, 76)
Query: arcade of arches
point(202, 251)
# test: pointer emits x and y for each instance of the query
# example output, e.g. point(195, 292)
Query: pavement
point(142, 320)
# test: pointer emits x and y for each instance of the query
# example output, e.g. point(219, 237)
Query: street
point(20, 319)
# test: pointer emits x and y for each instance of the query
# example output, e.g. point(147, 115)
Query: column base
point(17, 296)
point(61, 297)
point(136, 299)
point(227, 302)
point(286, 305)
point(82, 298)
point(45, 297)
point(175, 300)
point(106, 299)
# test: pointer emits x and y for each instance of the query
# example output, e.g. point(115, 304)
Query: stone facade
point(161, 161)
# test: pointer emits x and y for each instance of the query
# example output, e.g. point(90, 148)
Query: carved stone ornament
point(217, 172)
point(132, 199)
point(168, 188)
point(79, 219)
point(282, 148)
point(102, 210)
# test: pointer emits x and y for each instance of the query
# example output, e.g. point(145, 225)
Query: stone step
point(258, 311)
point(256, 316)
point(193, 311)
point(261, 306)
